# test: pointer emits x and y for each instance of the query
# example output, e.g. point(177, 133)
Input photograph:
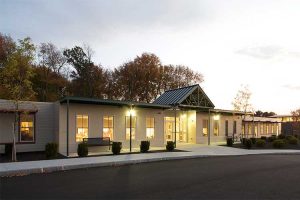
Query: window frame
point(34, 129)
point(113, 125)
point(207, 127)
point(76, 128)
point(133, 117)
point(150, 128)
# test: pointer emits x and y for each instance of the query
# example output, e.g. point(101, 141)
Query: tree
point(145, 78)
point(15, 78)
point(242, 102)
point(296, 115)
point(49, 81)
point(88, 79)
point(264, 114)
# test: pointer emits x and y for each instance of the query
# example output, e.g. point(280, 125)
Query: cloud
point(292, 87)
point(268, 52)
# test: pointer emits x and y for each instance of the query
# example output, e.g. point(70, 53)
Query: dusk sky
point(254, 43)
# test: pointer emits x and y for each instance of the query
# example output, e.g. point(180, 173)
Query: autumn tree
point(296, 115)
point(87, 78)
point(15, 78)
point(49, 81)
point(260, 113)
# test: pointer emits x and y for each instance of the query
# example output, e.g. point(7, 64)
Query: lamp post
point(130, 127)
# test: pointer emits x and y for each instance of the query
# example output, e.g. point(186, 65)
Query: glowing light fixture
point(131, 112)
point(216, 117)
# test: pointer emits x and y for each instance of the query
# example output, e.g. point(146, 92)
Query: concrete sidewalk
point(195, 151)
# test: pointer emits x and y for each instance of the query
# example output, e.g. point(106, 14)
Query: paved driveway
point(226, 177)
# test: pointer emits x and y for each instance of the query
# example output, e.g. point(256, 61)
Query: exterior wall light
point(216, 117)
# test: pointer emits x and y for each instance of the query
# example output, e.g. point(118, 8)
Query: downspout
point(175, 127)
point(68, 127)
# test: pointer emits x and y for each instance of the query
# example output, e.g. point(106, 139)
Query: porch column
point(208, 138)
point(67, 127)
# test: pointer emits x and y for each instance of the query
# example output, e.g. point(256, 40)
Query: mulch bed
point(27, 156)
point(40, 155)
point(267, 146)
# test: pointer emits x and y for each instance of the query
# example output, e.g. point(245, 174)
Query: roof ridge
point(183, 87)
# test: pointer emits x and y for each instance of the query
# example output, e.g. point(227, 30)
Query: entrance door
point(181, 136)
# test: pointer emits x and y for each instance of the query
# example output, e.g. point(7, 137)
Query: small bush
point(116, 148)
point(82, 149)
point(229, 142)
point(260, 143)
point(51, 150)
point(8, 149)
point(271, 138)
point(263, 138)
point(243, 141)
point(144, 147)
point(278, 144)
point(292, 140)
point(248, 144)
point(170, 146)
point(281, 136)
point(253, 140)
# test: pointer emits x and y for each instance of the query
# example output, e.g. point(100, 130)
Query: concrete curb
point(65, 167)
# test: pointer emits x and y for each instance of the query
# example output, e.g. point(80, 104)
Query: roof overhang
point(94, 101)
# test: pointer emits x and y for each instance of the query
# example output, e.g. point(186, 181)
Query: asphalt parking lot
point(231, 177)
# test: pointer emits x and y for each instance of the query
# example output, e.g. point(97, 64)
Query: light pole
point(130, 126)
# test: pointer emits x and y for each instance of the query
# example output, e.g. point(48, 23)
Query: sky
point(232, 42)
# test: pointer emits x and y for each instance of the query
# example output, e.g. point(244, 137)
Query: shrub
point(253, 140)
point(51, 150)
point(292, 140)
point(82, 149)
point(279, 143)
point(281, 136)
point(243, 140)
point(116, 148)
point(8, 149)
point(248, 144)
point(263, 138)
point(144, 147)
point(229, 142)
point(271, 138)
point(260, 143)
point(170, 146)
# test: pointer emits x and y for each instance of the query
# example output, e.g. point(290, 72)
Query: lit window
point(226, 128)
point(234, 127)
point(249, 129)
point(27, 128)
point(108, 126)
point(133, 126)
point(150, 127)
point(82, 127)
point(216, 127)
point(261, 129)
point(205, 127)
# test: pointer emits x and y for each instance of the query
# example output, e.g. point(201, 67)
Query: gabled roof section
point(191, 95)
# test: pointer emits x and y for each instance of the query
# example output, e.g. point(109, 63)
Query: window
point(133, 126)
point(249, 129)
point(150, 127)
point(272, 128)
point(226, 128)
point(261, 129)
point(234, 127)
point(216, 127)
point(256, 130)
point(82, 127)
point(26, 128)
point(205, 127)
point(267, 127)
point(108, 126)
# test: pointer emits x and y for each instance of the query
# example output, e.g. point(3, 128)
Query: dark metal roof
point(175, 96)
point(84, 100)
